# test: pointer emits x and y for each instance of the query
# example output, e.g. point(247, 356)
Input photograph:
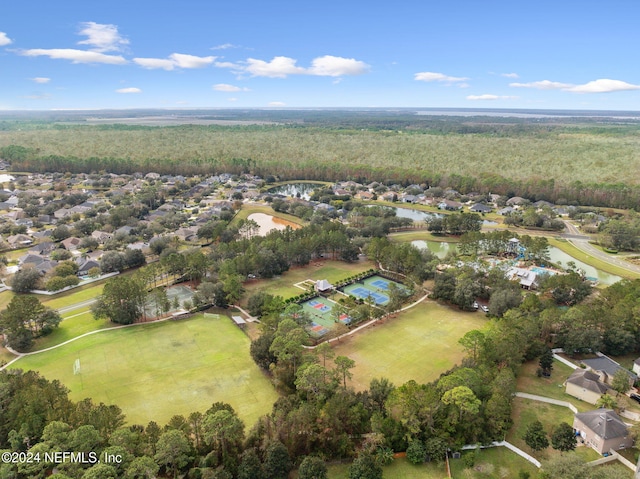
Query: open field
point(324, 269)
point(157, 370)
point(419, 344)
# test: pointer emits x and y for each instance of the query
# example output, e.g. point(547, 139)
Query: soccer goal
point(76, 367)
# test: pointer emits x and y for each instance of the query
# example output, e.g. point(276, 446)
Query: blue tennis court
point(380, 284)
point(364, 293)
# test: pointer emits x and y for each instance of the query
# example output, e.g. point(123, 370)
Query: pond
point(561, 258)
point(416, 215)
point(269, 223)
point(556, 256)
point(293, 189)
point(440, 249)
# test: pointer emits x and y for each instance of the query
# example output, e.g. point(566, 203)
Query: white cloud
point(490, 97)
point(76, 56)
point(439, 77)
point(224, 46)
point(277, 103)
point(232, 99)
point(182, 60)
point(279, 67)
point(329, 65)
point(154, 63)
point(603, 85)
point(102, 38)
point(40, 80)
point(510, 75)
point(175, 60)
point(228, 88)
point(129, 90)
point(38, 96)
point(4, 39)
point(542, 85)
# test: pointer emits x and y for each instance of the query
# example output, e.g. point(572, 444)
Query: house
point(186, 234)
point(364, 195)
point(507, 210)
point(86, 266)
point(480, 208)
point(71, 244)
point(16, 241)
point(410, 199)
point(101, 236)
point(449, 205)
point(323, 286)
point(606, 368)
point(636, 366)
point(603, 430)
point(585, 385)
point(516, 200)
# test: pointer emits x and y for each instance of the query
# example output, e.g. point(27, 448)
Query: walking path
point(557, 402)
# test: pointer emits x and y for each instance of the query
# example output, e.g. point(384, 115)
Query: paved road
point(581, 242)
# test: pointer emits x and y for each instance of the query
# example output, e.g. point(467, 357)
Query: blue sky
point(561, 54)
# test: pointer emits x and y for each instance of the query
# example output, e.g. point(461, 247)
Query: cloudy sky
point(565, 54)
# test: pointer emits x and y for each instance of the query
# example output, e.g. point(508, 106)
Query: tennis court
point(319, 310)
point(363, 292)
point(374, 287)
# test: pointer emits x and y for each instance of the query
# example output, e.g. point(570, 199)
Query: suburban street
point(581, 242)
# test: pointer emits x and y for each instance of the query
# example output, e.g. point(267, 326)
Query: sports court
point(319, 310)
point(181, 292)
point(374, 287)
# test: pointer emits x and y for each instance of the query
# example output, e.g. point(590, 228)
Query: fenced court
point(181, 292)
point(319, 310)
point(373, 287)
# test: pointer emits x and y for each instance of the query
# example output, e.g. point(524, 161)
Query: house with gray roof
point(606, 368)
point(585, 385)
point(603, 430)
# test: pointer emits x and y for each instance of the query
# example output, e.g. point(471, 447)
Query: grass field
point(157, 370)
point(284, 285)
point(495, 462)
point(419, 344)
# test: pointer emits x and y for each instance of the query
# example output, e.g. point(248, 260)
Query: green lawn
point(76, 323)
point(553, 387)
point(400, 468)
point(284, 285)
point(526, 411)
point(157, 370)
point(495, 462)
point(420, 343)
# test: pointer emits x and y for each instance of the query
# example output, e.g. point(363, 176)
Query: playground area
point(375, 287)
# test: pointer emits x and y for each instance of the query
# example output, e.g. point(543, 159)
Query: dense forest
point(565, 161)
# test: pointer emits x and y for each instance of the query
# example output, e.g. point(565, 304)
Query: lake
point(293, 189)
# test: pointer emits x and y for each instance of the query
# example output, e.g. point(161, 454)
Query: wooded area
point(564, 161)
